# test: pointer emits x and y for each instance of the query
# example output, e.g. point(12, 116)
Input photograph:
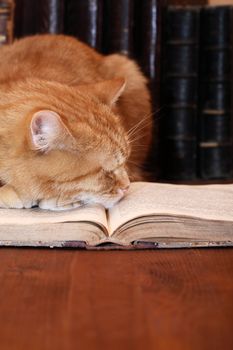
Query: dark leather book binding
point(38, 17)
point(118, 26)
point(6, 22)
point(84, 21)
point(148, 34)
point(25, 22)
point(50, 16)
point(214, 122)
point(147, 51)
point(179, 91)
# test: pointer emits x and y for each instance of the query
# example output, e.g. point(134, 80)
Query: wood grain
point(69, 299)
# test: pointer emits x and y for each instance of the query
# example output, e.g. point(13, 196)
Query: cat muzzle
point(123, 191)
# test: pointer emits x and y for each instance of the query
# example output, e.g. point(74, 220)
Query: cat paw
point(27, 204)
point(67, 207)
point(51, 204)
point(9, 198)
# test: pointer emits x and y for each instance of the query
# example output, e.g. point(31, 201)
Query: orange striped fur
point(67, 119)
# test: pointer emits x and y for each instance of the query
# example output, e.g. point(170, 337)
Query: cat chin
point(106, 201)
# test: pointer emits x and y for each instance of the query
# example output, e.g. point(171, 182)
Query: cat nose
point(123, 181)
point(123, 190)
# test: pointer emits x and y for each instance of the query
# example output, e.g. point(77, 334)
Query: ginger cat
point(69, 122)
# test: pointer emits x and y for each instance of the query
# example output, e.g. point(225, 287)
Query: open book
point(151, 215)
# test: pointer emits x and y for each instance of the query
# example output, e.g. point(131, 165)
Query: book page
point(212, 202)
point(22, 217)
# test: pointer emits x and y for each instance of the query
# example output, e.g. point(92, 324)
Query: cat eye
point(109, 174)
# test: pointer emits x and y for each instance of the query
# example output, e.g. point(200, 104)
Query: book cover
point(38, 17)
point(149, 36)
point(118, 26)
point(83, 19)
point(180, 91)
point(214, 122)
point(50, 16)
point(147, 43)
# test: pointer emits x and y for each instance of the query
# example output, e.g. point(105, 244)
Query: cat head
point(75, 147)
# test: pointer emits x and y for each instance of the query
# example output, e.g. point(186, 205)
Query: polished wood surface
point(161, 299)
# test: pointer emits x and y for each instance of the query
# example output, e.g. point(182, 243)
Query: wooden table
point(162, 299)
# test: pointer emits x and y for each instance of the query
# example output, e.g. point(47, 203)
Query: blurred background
point(185, 49)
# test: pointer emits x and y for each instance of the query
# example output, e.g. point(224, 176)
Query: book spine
point(149, 37)
point(148, 20)
point(84, 21)
point(6, 22)
point(231, 25)
point(25, 18)
point(38, 17)
point(179, 92)
point(118, 26)
point(50, 16)
point(215, 138)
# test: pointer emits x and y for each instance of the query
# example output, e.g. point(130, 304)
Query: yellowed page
point(212, 202)
point(23, 217)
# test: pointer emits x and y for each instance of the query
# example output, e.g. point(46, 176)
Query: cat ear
point(109, 91)
point(46, 130)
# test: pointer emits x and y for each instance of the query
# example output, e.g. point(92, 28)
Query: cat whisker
point(135, 128)
point(134, 149)
point(140, 136)
point(140, 130)
point(136, 165)
point(139, 145)
point(142, 120)
point(137, 138)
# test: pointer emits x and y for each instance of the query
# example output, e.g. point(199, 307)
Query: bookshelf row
point(185, 51)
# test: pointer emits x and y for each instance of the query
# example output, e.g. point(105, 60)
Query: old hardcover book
point(84, 20)
point(179, 91)
point(151, 215)
point(50, 16)
point(148, 23)
point(216, 64)
point(25, 21)
point(118, 26)
point(38, 17)
point(149, 37)
point(6, 21)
